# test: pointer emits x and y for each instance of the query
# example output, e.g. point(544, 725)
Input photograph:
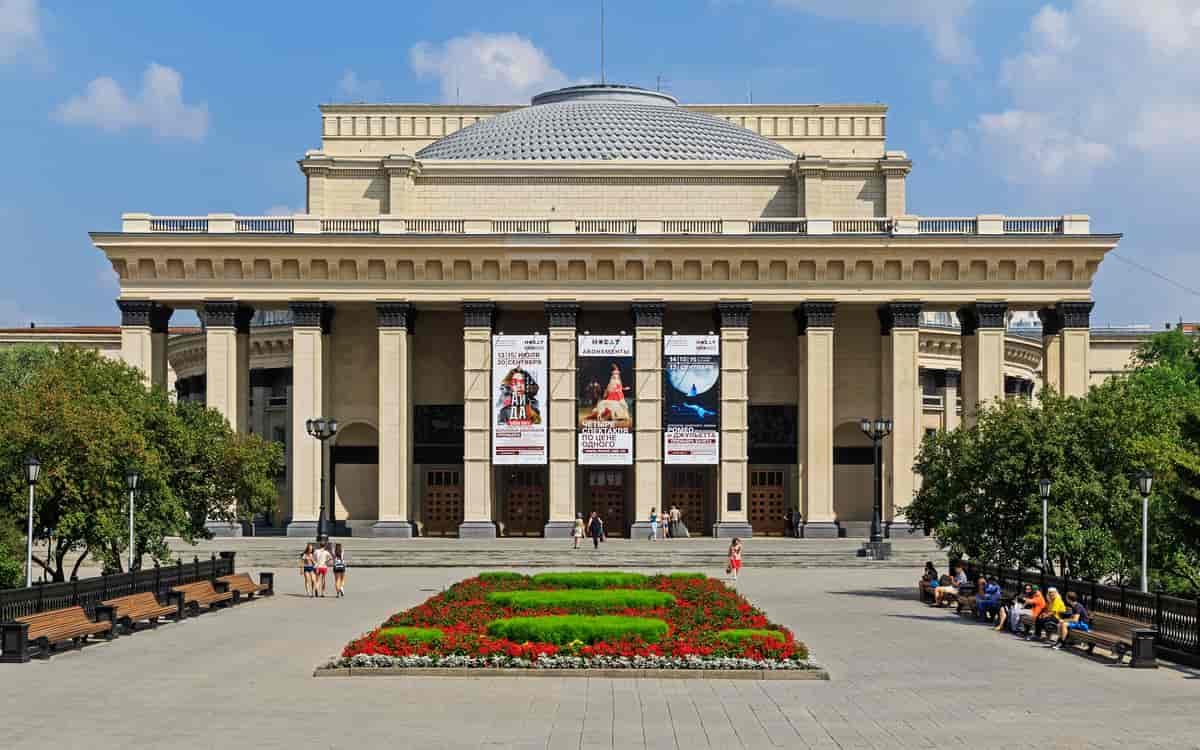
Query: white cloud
point(158, 107)
point(350, 86)
point(941, 20)
point(479, 68)
point(20, 29)
point(1033, 146)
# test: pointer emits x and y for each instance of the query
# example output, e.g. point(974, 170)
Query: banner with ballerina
point(519, 419)
point(691, 417)
point(604, 395)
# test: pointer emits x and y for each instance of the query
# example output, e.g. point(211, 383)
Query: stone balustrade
point(984, 224)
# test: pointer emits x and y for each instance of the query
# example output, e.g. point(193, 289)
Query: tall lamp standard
point(1145, 480)
point(877, 431)
point(33, 468)
point(1044, 491)
point(132, 480)
point(322, 429)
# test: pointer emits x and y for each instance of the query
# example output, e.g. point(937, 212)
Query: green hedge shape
point(563, 629)
point(500, 575)
point(583, 600)
point(591, 580)
point(687, 575)
point(735, 636)
point(411, 634)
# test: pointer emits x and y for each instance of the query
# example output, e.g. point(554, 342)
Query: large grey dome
point(604, 122)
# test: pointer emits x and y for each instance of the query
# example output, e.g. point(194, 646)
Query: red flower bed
point(703, 607)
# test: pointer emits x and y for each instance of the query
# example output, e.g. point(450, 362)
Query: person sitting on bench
point(1047, 616)
point(948, 587)
point(988, 605)
point(1076, 617)
point(1034, 605)
point(1013, 613)
point(928, 581)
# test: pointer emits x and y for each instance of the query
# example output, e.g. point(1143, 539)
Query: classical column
point(815, 321)
point(227, 357)
point(947, 385)
point(647, 418)
point(733, 496)
point(1076, 340)
point(1051, 348)
point(560, 316)
point(982, 355)
point(144, 339)
point(478, 319)
point(900, 327)
point(310, 323)
point(395, 324)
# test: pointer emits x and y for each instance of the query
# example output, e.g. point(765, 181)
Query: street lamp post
point(1044, 491)
point(33, 468)
point(132, 480)
point(322, 429)
point(877, 431)
point(1145, 480)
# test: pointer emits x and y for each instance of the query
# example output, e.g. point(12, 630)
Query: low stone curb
point(637, 674)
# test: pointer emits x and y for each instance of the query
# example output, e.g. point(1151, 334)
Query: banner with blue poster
point(692, 400)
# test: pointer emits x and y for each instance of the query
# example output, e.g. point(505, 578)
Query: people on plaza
point(1034, 605)
point(674, 519)
point(308, 569)
point(577, 532)
point(653, 525)
point(1047, 620)
point(321, 559)
point(928, 582)
point(595, 529)
point(949, 587)
point(339, 570)
point(1076, 617)
point(968, 600)
point(1011, 615)
point(735, 558)
point(988, 605)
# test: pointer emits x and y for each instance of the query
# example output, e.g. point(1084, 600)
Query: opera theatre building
point(602, 301)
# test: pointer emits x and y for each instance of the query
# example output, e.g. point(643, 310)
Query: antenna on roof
point(660, 82)
point(602, 77)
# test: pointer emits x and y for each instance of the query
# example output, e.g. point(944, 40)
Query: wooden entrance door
point(442, 503)
point(606, 488)
point(688, 491)
point(525, 503)
point(767, 503)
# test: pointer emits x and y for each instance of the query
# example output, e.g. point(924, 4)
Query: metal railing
point(88, 592)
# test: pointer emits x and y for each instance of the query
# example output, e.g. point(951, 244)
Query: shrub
point(412, 635)
point(583, 600)
point(590, 580)
point(736, 636)
point(564, 629)
point(500, 575)
point(686, 575)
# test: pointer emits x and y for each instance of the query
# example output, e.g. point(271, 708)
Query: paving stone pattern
point(903, 676)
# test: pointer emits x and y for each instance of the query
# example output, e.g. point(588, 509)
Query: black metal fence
point(1177, 619)
point(87, 593)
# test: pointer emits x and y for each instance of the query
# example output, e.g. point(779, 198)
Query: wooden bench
point(192, 596)
point(246, 588)
point(45, 630)
point(129, 610)
point(1110, 632)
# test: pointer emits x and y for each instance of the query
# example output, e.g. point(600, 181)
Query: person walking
point(653, 526)
point(673, 519)
point(308, 568)
point(577, 532)
point(321, 559)
point(735, 557)
point(595, 529)
point(339, 570)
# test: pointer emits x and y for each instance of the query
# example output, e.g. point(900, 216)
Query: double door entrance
point(442, 501)
point(692, 490)
point(605, 494)
point(523, 501)
point(768, 502)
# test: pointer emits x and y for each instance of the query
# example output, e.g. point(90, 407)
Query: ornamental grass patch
point(744, 634)
point(565, 629)
point(590, 580)
point(583, 600)
point(411, 634)
point(501, 575)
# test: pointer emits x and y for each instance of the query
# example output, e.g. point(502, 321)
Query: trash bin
point(1143, 649)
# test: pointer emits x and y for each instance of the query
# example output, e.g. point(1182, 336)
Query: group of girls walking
point(315, 564)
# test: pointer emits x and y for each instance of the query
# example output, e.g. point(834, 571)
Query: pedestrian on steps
point(577, 532)
point(595, 529)
point(653, 526)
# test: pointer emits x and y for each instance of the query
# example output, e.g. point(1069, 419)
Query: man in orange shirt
point(1035, 604)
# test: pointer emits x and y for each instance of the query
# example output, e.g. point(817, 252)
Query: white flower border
point(455, 661)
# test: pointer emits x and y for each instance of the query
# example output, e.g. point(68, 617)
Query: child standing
point(577, 533)
point(735, 557)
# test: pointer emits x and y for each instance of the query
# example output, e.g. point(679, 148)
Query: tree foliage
point(90, 420)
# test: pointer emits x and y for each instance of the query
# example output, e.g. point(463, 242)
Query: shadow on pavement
point(891, 592)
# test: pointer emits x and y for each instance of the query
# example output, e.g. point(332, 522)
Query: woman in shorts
point(308, 568)
point(339, 570)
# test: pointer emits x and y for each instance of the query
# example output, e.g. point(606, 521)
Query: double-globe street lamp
point(1145, 481)
point(877, 430)
point(322, 429)
point(33, 468)
point(1044, 492)
point(132, 481)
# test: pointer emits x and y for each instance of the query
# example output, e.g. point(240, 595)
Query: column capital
point(648, 313)
point(562, 313)
point(733, 314)
point(982, 315)
point(395, 314)
point(815, 314)
point(943, 379)
point(1051, 321)
point(479, 314)
point(228, 314)
point(1075, 314)
point(312, 314)
point(141, 312)
point(899, 315)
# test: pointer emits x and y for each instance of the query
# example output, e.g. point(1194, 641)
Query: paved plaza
point(903, 676)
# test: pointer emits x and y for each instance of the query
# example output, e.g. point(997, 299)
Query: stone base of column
point(730, 529)
point(223, 528)
point(641, 531)
point(394, 529)
point(821, 530)
point(558, 529)
point(302, 529)
point(477, 530)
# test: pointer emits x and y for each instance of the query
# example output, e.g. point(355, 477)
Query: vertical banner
point(604, 396)
point(519, 417)
point(692, 422)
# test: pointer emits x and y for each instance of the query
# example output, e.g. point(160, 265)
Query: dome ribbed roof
point(604, 122)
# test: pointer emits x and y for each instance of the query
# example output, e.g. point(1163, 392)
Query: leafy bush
point(583, 600)
point(564, 629)
point(686, 575)
point(590, 580)
point(500, 575)
point(736, 636)
point(411, 634)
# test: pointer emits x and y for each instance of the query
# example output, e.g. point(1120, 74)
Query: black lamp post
point(1044, 493)
point(877, 431)
point(33, 468)
point(132, 481)
point(322, 429)
point(1145, 481)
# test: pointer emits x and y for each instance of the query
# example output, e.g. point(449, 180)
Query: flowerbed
point(563, 630)
point(583, 600)
point(697, 634)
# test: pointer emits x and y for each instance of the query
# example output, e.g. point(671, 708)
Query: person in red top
point(1034, 604)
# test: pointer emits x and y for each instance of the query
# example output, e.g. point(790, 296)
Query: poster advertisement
point(692, 394)
point(519, 409)
point(604, 398)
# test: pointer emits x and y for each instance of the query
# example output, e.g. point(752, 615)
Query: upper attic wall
point(832, 131)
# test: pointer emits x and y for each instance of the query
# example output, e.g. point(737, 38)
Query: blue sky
point(1086, 106)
